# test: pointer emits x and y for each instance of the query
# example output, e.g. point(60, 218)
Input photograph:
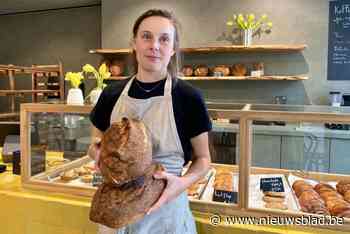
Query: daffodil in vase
point(100, 76)
point(248, 27)
point(75, 95)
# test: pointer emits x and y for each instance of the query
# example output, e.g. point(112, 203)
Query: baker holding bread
point(172, 110)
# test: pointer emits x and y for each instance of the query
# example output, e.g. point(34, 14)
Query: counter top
point(288, 130)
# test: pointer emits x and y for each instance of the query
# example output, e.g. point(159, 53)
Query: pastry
point(224, 181)
point(323, 187)
point(300, 186)
point(83, 171)
point(69, 175)
point(347, 196)
point(273, 199)
point(193, 190)
point(86, 178)
point(343, 186)
point(274, 194)
point(276, 205)
point(309, 200)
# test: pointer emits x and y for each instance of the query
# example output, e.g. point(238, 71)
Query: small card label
point(225, 196)
point(97, 179)
point(272, 184)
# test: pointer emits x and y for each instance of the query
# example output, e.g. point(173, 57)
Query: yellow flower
point(229, 23)
point(88, 68)
point(264, 17)
point(251, 17)
point(100, 75)
point(269, 24)
point(75, 78)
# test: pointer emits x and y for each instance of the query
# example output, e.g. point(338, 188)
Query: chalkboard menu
point(339, 40)
point(272, 184)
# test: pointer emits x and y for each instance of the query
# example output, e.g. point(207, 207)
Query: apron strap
point(127, 87)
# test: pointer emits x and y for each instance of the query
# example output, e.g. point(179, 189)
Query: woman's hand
point(94, 151)
point(175, 185)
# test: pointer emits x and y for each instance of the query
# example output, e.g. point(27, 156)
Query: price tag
point(225, 196)
point(272, 184)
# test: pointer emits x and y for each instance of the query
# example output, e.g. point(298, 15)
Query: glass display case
point(54, 142)
point(267, 160)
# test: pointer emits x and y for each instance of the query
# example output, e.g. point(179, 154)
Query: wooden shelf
point(244, 78)
point(300, 77)
point(22, 92)
point(216, 49)
point(9, 115)
point(28, 70)
point(118, 77)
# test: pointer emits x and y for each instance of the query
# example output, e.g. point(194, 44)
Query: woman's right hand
point(94, 151)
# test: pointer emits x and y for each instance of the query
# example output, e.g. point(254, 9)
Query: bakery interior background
point(39, 36)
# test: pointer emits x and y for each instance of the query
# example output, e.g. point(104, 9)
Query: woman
point(172, 110)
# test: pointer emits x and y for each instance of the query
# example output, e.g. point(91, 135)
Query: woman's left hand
point(175, 185)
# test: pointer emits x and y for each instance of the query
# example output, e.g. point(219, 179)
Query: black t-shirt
point(190, 112)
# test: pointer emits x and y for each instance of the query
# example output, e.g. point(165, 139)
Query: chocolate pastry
point(129, 189)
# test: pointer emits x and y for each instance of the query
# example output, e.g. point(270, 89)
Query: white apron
point(158, 116)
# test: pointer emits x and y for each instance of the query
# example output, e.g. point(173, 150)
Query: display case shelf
point(221, 49)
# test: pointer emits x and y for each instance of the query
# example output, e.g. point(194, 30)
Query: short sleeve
point(101, 113)
point(197, 115)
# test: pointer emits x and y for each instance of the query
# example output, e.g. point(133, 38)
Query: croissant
point(347, 196)
point(300, 186)
point(330, 195)
point(323, 187)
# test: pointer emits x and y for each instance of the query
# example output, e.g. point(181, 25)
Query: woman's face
point(154, 44)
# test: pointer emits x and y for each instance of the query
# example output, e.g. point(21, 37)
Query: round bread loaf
point(126, 151)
